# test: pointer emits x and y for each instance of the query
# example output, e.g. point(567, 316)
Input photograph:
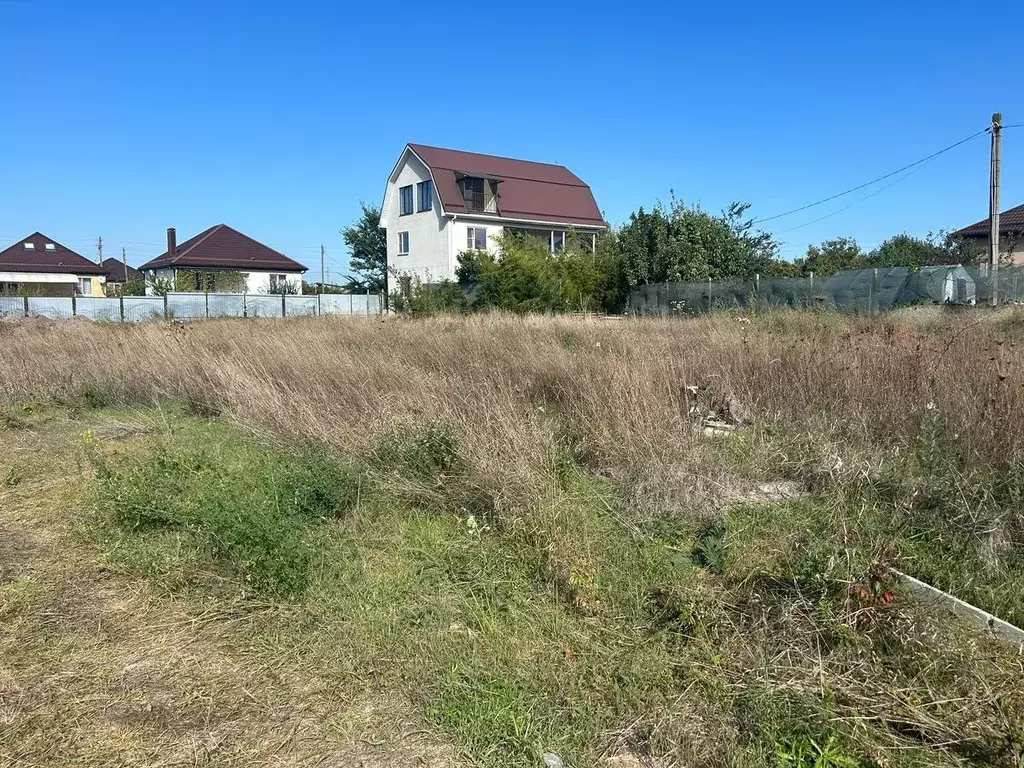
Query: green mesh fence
point(864, 291)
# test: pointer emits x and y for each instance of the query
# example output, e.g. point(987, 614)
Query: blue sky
point(278, 118)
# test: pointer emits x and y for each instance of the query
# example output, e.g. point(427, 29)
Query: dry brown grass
point(613, 389)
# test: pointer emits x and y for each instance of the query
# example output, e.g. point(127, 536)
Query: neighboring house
point(441, 202)
point(226, 261)
point(117, 276)
point(40, 266)
point(1011, 235)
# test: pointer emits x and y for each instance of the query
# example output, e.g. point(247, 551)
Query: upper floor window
point(405, 195)
point(426, 195)
point(476, 238)
point(30, 246)
point(50, 247)
point(403, 242)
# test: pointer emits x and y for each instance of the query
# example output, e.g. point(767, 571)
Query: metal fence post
point(74, 304)
point(367, 302)
point(351, 311)
point(319, 306)
point(25, 300)
point(283, 310)
point(207, 304)
point(121, 301)
point(165, 305)
point(245, 305)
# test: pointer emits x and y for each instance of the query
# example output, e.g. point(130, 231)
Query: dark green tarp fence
point(857, 290)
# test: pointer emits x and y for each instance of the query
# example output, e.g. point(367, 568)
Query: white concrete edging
point(981, 619)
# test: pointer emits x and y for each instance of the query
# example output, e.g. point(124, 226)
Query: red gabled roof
point(221, 247)
point(527, 190)
point(1010, 222)
point(115, 271)
point(60, 259)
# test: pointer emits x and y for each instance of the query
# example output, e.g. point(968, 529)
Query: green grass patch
point(255, 508)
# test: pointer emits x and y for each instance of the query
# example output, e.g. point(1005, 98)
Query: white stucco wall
point(259, 282)
point(428, 258)
point(256, 282)
point(460, 236)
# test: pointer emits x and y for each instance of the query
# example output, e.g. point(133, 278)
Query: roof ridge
point(484, 154)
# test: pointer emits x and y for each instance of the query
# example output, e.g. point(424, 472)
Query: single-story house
point(40, 266)
point(1011, 235)
point(441, 202)
point(223, 259)
point(119, 273)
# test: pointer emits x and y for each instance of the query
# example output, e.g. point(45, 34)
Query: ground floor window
point(476, 238)
point(278, 283)
point(84, 287)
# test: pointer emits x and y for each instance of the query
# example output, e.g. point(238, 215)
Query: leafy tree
point(832, 256)
point(906, 251)
point(685, 243)
point(368, 251)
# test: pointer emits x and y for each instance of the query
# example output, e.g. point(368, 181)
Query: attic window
point(30, 246)
point(50, 247)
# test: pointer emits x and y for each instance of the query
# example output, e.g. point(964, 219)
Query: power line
point(873, 181)
point(855, 202)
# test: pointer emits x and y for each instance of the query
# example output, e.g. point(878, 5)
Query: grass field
point(473, 541)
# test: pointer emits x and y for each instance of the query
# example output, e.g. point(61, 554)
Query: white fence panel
point(55, 308)
point(98, 308)
point(12, 306)
point(262, 305)
point(227, 305)
point(305, 306)
point(186, 306)
point(138, 308)
point(349, 304)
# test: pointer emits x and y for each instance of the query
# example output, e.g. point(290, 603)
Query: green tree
point(686, 243)
point(832, 256)
point(906, 251)
point(368, 251)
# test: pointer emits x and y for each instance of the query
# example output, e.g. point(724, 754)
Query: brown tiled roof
point(221, 247)
point(115, 271)
point(526, 190)
point(1010, 222)
point(60, 259)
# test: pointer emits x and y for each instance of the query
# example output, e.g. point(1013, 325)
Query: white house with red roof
point(441, 202)
point(244, 264)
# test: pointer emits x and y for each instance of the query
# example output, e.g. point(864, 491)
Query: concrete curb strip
point(981, 619)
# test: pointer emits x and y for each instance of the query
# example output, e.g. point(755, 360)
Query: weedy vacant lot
point(474, 541)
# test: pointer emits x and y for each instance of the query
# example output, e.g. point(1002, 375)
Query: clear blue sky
point(122, 119)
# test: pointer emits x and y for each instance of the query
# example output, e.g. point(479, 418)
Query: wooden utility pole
point(993, 209)
point(323, 271)
point(124, 265)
